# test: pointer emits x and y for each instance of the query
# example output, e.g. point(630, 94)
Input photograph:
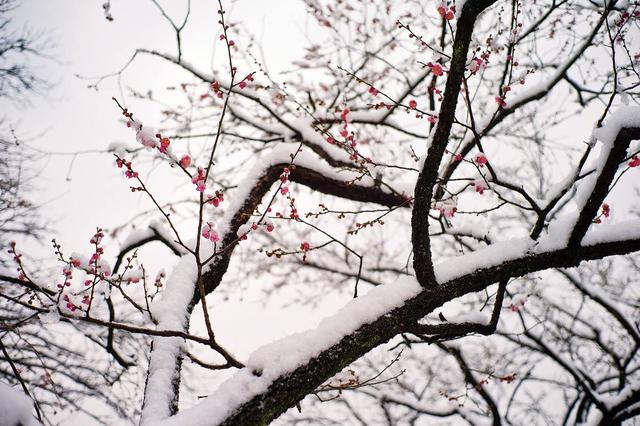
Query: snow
point(471, 228)
point(559, 231)
point(492, 255)
point(171, 313)
point(442, 407)
point(471, 317)
point(534, 89)
point(243, 230)
point(134, 275)
point(621, 118)
point(459, 5)
point(556, 189)
point(136, 236)
point(155, 227)
point(285, 355)
point(277, 359)
point(50, 317)
point(281, 154)
point(616, 232)
point(16, 408)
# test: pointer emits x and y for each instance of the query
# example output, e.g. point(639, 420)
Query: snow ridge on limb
point(622, 127)
point(287, 388)
point(180, 296)
point(310, 172)
point(16, 407)
point(278, 375)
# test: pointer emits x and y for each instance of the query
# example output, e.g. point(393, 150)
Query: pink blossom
point(215, 199)
point(67, 270)
point(344, 115)
point(131, 174)
point(476, 65)
point(436, 69)
point(480, 186)
point(147, 138)
point(164, 145)
point(480, 159)
point(199, 180)
point(447, 14)
point(500, 100)
point(448, 207)
point(209, 233)
point(185, 161)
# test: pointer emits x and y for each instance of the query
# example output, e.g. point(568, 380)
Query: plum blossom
point(97, 237)
point(245, 81)
point(199, 180)
point(436, 69)
point(517, 302)
point(215, 199)
point(476, 65)
point(447, 207)
point(147, 138)
point(480, 186)
point(268, 226)
point(243, 231)
point(447, 13)
point(480, 159)
point(164, 145)
point(185, 161)
point(215, 86)
point(500, 101)
point(345, 115)
point(209, 233)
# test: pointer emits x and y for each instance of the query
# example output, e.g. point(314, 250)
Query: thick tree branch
point(422, 261)
point(600, 190)
point(291, 386)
